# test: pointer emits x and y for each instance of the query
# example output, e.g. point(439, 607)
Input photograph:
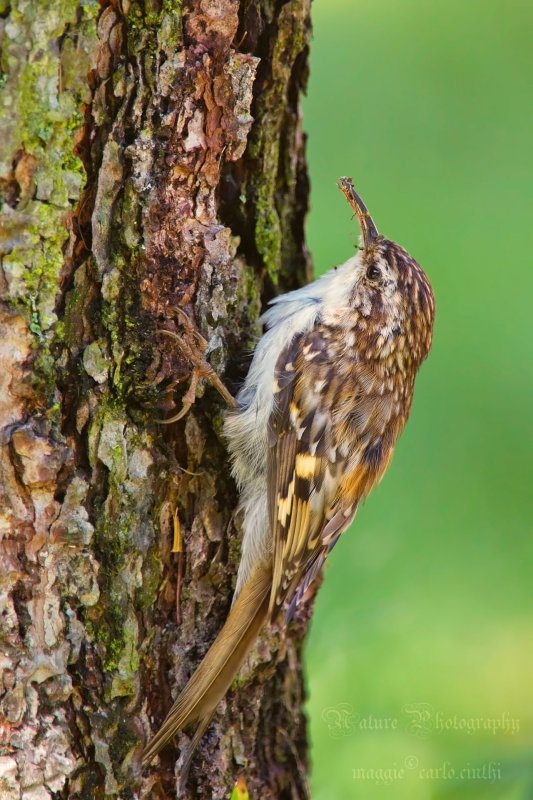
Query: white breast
point(246, 429)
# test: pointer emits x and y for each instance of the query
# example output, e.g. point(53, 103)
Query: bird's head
point(391, 293)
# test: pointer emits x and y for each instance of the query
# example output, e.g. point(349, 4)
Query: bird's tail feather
point(213, 677)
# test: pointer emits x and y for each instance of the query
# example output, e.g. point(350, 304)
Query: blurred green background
point(424, 623)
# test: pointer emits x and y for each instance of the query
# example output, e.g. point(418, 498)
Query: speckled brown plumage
point(342, 395)
point(328, 393)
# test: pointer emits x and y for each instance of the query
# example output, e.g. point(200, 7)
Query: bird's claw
point(201, 369)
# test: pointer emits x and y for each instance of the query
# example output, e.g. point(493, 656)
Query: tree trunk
point(151, 166)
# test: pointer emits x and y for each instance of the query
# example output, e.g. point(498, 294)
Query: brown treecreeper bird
point(328, 393)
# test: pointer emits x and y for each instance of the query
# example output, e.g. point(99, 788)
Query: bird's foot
point(193, 346)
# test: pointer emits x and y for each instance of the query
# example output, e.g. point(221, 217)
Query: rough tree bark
point(151, 160)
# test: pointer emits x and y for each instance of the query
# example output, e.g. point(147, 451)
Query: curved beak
point(366, 223)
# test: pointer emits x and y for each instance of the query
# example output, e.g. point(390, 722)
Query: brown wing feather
point(301, 480)
point(280, 500)
point(332, 437)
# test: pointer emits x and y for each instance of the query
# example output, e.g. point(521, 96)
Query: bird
point(314, 426)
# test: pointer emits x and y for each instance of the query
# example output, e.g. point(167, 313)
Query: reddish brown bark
point(186, 190)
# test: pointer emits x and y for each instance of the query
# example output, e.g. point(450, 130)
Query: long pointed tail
point(213, 677)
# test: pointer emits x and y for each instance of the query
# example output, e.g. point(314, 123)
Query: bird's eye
point(373, 273)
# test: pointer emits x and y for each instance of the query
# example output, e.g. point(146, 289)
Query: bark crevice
point(179, 181)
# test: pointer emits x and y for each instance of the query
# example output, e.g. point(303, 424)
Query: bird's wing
point(317, 466)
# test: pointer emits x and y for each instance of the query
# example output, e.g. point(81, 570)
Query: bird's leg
point(193, 346)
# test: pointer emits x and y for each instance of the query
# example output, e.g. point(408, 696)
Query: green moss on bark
point(264, 146)
point(43, 123)
point(41, 117)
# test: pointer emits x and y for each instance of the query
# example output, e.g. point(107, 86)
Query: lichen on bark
point(151, 160)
